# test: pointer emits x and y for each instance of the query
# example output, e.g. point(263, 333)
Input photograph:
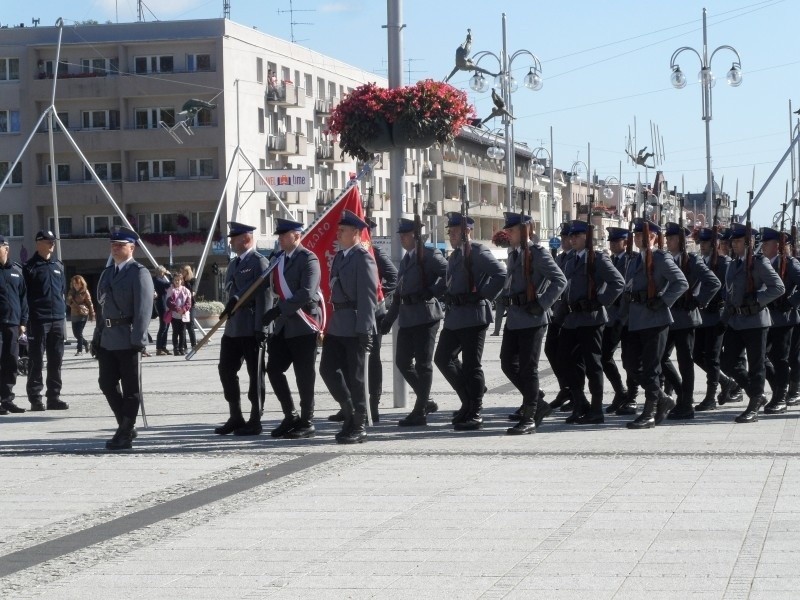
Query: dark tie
point(286, 263)
point(514, 255)
point(116, 270)
point(236, 262)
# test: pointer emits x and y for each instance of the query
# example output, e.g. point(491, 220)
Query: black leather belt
point(343, 305)
point(517, 300)
point(121, 321)
point(413, 299)
point(639, 296)
point(462, 299)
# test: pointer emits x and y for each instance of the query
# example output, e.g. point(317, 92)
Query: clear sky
point(604, 64)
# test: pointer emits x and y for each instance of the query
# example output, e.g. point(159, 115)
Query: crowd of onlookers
point(173, 304)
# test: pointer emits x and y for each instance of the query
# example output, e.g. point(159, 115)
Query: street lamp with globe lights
point(707, 81)
point(506, 84)
point(538, 170)
point(575, 179)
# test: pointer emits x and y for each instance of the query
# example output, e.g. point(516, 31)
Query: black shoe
point(750, 415)
point(229, 426)
point(249, 428)
point(37, 406)
point(413, 419)
point(775, 407)
point(524, 427)
point(461, 414)
point(516, 415)
point(681, 413)
point(119, 442)
point(304, 429)
point(471, 422)
point(337, 418)
point(707, 404)
point(664, 405)
point(286, 426)
point(3, 411)
point(567, 406)
point(590, 418)
point(10, 407)
point(353, 431)
point(431, 407)
point(629, 408)
point(543, 409)
point(620, 398)
point(57, 405)
point(560, 399)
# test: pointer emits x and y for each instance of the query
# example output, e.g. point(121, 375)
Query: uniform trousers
point(551, 352)
point(612, 336)
point(465, 376)
point(45, 338)
point(375, 368)
point(342, 370)
point(682, 341)
point(707, 349)
point(414, 357)
point(519, 360)
point(232, 353)
point(579, 353)
point(627, 362)
point(119, 380)
point(9, 358)
point(753, 343)
point(646, 347)
point(776, 366)
point(794, 356)
point(301, 353)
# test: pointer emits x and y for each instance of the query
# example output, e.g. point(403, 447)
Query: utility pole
point(292, 22)
point(226, 9)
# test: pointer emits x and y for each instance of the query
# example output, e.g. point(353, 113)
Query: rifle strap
point(649, 270)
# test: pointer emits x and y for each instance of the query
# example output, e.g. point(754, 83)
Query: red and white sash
point(284, 293)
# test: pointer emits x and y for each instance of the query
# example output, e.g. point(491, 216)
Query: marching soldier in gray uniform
point(703, 286)
point(354, 296)
point(416, 308)
point(298, 321)
point(125, 295)
point(562, 399)
point(244, 332)
point(748, 291)
point(13, 317)
point(709, 334)
point(784, 315)
point(624, 401)
point(533, 283)
point(652, 284)
point(474, 278)
point(589, 291)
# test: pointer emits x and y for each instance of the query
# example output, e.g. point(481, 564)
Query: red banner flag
point(320, 238)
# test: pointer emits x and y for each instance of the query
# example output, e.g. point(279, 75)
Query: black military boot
point(543, 409)
point(563, 396)
point(683, 410)
point(620, 398)
point(594, 416)
point(235, 421)
point(750, 415)
point(778, 403)
point(431, 407)
point(253, 425)
point(527, 421)
point(517, 414)
point(647, 419)
point(710, 401)
point(580, 406)
point(793, 395)
point(374, 401)
point(663, 406)
point(134, 433)
point(473, 419)
point(417, 417)
point(336, 417)
point(10, 407)
point(122, 438)
point(286, 426)
point(347, 423)
point(729, 390)
point(356, 432)
point(304, 428)
point(629, 406)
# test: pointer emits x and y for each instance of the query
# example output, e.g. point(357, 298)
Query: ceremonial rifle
point(748, 248)
point(648, 252)
point(794, 227)
point(682, 235)
point(629, 241)
point(419, 244)
point(592, 290)
point(782, 258)
point(525, 234)
point(715, 237)
point(466, 246)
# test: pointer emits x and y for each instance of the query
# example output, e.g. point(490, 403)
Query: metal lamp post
point(506, 84)
point(539, 170)
point(706, 78)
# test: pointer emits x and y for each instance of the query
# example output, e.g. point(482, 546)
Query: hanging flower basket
point(414, 116)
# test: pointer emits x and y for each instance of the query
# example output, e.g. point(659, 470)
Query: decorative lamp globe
point(533, 81)
point(608, 193)
point(677, 78)
point(734, 76)
point(538, 169)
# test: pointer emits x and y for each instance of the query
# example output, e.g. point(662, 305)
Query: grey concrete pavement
point(699, 509)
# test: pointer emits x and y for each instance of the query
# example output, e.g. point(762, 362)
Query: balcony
point(286, 94)
point(104, 140)
point(324, 106)
point(325, 151)
point(326, 197)
point(163, 191)
point(288, 144)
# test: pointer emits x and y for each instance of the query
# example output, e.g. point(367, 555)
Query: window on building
point(201, 221)
point(262, 164)
point(310, 130)
point(198, 63)
point(64, 225)
point(149, 118)
point(16, 175)
point(286, 74)
point(165, 222)
point(201, 168)
point(309, 84)
point(259, 70)
point(11, 225)
point(96, 224)
point(298, 125)
point(9, 121)
point(153, 64)
point(262, 222)
point(260, 120)
point(100, 66)
point(331, 89)
point(202, 118)
point(100, 119)
point(147, 170)
point(62, 173)
point(9, 69)
point(320, 88)
point(106, 171)
point(63, 68)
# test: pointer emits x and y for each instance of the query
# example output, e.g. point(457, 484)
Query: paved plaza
point(697, 509)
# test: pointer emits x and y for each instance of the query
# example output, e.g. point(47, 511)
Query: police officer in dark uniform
point(748, 291)
point(47, 288)
point(125, 295)
point(13, 316)
point(354, 296)
point(652, 284)
point(531, 287)
point(784, 315)
point(416, 306)
point(703, 286)
point(709, 334)
point(473, 280)
point(563, 398)
point(244, 332)
point(298, 321)
point(587, 295)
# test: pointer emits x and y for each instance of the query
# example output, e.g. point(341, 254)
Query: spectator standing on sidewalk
point(81, 309)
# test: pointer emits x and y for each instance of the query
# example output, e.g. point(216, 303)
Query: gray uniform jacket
point(767, 285)
point(247, 320)
point(302, 276)
point(703, 286)
point(414, 303)
point(711, 314)
point(548, 281)
point(608, 284)
point(126, 303)
point(783, 311)
point(354, 288)
point(670, 284)
point(465, 307)
point(387, 275)
point(557, 312)
point(620, 262)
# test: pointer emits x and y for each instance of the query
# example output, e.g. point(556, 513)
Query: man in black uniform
point(47, 286)
point(562, 399)
point(13, 316)
point(298, 322)
point(420, 282)
point(125, 295)
point(244, 332)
